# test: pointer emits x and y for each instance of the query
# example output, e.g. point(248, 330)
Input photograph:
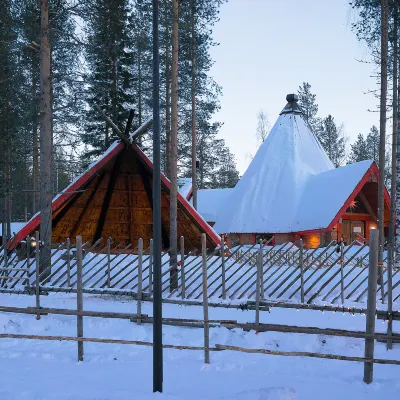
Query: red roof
point(114, 150)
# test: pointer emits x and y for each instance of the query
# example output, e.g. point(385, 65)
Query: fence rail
point(244, 264)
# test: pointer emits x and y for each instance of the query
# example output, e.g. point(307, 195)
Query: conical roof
point(267, 196)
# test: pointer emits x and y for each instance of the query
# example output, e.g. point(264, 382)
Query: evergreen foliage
point(359, 150)
point(309, 106)
point(333, 141)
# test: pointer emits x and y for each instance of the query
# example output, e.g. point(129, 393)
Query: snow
point(209, 202)
point(15, 227)
point(48, 370)
point(185, 187)
point(290, 186)
point(329, 190)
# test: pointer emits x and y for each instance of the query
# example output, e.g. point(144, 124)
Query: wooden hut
point(113, 198)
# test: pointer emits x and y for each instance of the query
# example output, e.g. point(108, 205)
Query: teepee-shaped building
point(291, 190)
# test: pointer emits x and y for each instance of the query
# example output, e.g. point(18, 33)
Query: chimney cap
point(292, 106)
point(292, 98)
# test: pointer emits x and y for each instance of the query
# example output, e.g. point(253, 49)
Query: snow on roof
point(15, 227)
point(324, 194)
point(278, 192)
point(185, 187)
point(209, 201)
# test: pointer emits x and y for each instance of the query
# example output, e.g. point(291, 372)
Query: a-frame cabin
point(113, 198)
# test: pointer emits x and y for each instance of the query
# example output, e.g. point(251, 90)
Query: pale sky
point(269, 47)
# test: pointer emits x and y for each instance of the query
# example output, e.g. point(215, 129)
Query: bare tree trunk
point(194, 170)
point(8, 190)
point(167, 167)
point(174, 149)
point(35, 148)
point(140, 85)
point(46, 142)
point(381, 183)
point(114, 89)
point(391, 241)
point(396, 171)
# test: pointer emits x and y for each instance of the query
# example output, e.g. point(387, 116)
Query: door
point(345, 228)
point(352, 230)
point(358, 230)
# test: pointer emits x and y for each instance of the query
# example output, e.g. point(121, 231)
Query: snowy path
point(49, 370)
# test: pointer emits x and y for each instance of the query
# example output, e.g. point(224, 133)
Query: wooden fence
point(76, 275)
point(333, 275)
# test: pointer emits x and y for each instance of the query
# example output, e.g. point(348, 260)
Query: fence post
point(28, 256)
point(371, 305)
point(37, 273)
point(301, 262)
point(258, 283)
point(183, 279)
point(223, 267)
point(151, 268)
point(79, 295)
point(205, 301)
point(139, 290)
point(68, 262)
point(342, 270)
point(108, 262)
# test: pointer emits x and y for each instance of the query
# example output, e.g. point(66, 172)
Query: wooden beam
point(147, 188)
point(129, 123)
point(141, 130)
point(114, 127)
point(131, 222)
point(85, 207)
point(367, 205)
point(107, 198)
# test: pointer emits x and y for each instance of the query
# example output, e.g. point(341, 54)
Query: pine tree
point(359, 150)
point(109, 63)
point(66, 79)
point(9, 75)
point(309, 106)
point(333, 141)
point(373, 144)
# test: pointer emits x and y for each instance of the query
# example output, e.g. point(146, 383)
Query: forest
point(101, 53)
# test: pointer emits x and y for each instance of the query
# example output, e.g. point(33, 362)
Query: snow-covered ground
point(33, 370)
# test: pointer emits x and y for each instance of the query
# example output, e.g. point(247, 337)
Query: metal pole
point(151, 268)
point(108, 262)
point(205, 300)
point(223, 267)
point(342, 271)
point(37, 280)
point(157, 302)
point(79, 294)
point(68, 262)
point(258, 283)
point(139, 289)
point(371, 304)
point(4, 234)
point(301, 271)
point(393, 197)
point(28, 256)
point(183, 279)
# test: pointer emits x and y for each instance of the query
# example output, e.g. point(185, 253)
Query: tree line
point(101, 53)
point(331, 135)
